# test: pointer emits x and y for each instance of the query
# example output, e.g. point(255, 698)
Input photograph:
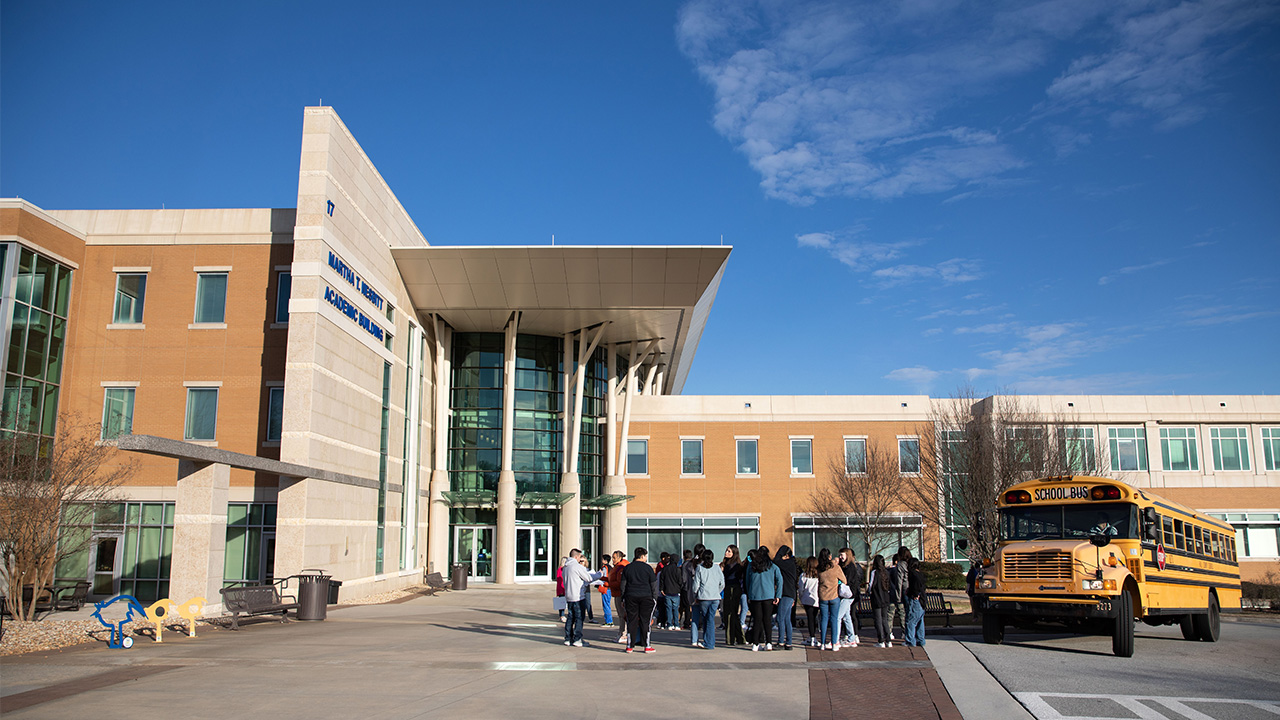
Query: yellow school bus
point(1097, 554)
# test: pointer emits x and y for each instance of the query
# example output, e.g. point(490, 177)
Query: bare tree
point(46, 487)
point(862, 492)
point(973, 449)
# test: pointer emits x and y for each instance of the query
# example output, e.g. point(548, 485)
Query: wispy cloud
point(918, 377)
point(1131, 269)
point(872, 257)
point(843, 99)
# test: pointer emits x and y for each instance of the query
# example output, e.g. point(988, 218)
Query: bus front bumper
point(1039, 606)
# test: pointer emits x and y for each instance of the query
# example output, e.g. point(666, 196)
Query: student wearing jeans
point(708, 583)
point(830, 577)
point(786, 564)
point(915, 604)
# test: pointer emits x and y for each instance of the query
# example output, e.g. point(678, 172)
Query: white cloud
point(881, 100)
point(919, 377)
point(1108, 279)
point(956, 270)
point(859, 255)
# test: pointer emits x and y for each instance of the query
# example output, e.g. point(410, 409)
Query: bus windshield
point(1056, 522)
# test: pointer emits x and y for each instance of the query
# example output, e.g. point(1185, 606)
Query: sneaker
point(694, 643)
point(701, 645)
point(826, 646)
point(768, 646)
point(629, 649)
point(649, 649)
point(787, 646)
point(836, 646)
point(755, 647)
point(566, 642)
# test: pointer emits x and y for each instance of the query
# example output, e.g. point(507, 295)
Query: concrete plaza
point(488, 652)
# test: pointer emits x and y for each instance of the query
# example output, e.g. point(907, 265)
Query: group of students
point(687, 592)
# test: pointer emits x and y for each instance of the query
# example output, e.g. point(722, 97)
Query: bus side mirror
point(1149, 515)
point(1150, 523)
point(1100, 540)
point(1151, 531)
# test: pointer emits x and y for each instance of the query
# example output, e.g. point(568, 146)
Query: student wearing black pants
point(640, 592)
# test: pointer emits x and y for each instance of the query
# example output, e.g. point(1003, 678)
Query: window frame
point(754, 442)
point(855, 439)
point(909, 439)
point(1271, 448)
point(130, 400)
point(186, 429)
point(139, 302)
point(627, 462)
point(1090, 442)
point(804, 440)
point(1190, 440)
point(1242, 447)
point(272, 392)
point(701, 472)
point(1139, 439)
point(280, 285)
point(226, 286)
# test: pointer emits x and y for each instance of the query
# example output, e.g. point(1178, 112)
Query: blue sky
point(1069, 196)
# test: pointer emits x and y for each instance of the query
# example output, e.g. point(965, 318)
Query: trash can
point(333, 590)
point(313, 591)
point(459, 577)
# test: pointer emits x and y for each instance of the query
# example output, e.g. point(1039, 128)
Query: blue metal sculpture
point(132, 611)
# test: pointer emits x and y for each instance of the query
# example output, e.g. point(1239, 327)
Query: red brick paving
point(884, 693)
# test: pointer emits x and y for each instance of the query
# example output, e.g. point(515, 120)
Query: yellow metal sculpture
point(163, 608)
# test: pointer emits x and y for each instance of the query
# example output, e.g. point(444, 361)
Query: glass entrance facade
point(37, 340)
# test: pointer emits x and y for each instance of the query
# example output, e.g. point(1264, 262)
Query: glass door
point(589, 545)
point(533, 553)
point(473, 547)
point(105, 553)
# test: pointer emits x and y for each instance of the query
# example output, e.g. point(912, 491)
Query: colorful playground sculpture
point(156, 612)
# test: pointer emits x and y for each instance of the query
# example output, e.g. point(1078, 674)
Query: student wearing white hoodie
point(577, 586)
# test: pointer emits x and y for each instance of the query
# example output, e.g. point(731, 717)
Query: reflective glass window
point(131, 292)
point(211, 298)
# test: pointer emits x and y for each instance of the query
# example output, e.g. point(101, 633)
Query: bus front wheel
point(992, 629)
point(1208, 625)
point(1122, 635)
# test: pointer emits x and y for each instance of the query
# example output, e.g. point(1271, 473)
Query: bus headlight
point(987, 583)
point(1093, 584)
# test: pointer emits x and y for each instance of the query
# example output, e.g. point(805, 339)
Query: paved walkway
point(487, 652)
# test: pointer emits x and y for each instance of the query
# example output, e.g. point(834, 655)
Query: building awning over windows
point(601, 502)
point(542, 499)
point(471, 498)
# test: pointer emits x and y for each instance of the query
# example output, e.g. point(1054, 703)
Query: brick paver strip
point(17, 701)
point(882, 688)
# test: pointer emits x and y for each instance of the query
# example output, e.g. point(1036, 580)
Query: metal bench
point(256, 600)
point(435, 583)
point(935, 605)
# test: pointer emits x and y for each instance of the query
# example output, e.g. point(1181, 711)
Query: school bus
point(1097, 554)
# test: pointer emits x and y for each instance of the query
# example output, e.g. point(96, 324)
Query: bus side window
point(1168, 531)
point(1178, 534)
point(1199, 541)
point(1211, 541)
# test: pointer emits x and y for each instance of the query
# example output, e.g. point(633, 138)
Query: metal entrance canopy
point(642, 292)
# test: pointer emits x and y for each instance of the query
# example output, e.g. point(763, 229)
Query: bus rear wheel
point(992, 629)
point(1208, 625)
point(1122, 634)
point(1188, 625)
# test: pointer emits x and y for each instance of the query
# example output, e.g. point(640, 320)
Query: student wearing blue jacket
point(764, 590)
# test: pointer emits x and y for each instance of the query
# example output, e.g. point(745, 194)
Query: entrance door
point(473, 547)
point(589, 533)
point(533, 553)
point(105, 553)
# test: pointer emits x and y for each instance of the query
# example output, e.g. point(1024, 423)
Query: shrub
point(942, 576)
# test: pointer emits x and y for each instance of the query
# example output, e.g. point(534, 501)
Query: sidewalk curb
point(976, 694)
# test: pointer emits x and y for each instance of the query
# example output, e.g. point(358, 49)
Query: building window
point(855, 456)
point(37, 339)
point(637, 457)
point(1257, 534)
point(909, 455)
point(131, 292)
point(284, 287)
point(202, 414)
point(748, 462)
point(145, 530)
point(1178, 446)
point(1271, 447)
point(1128, 448)
point(117, 413)
point(691, 457)
point(275, 413)
point(811, 534)
point(211, 298)
point(801, 456)
point(1026, 447)
point(251, 544)
point(1079, 452)
point(1230, 448)
point(674, 534)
